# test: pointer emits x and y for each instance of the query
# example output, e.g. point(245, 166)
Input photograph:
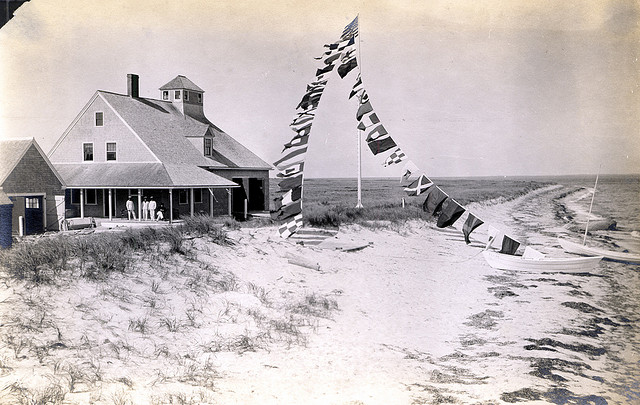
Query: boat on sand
point(540, 263)
point(580, 249)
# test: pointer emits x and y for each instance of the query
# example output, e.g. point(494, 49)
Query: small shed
point(32, 184)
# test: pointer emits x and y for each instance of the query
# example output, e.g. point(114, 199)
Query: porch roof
point(139, 175)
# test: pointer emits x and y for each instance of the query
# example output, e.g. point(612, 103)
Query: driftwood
point(303, 262)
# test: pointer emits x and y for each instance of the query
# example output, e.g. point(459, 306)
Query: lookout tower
point(185, 96)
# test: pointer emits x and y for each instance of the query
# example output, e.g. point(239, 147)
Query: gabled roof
point(12, 151)
point(181, 82)
point(133, 175)
point(233, 154)
point(162, 127)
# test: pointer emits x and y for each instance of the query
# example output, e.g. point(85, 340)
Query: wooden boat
point(577, 248)
point(565, 264)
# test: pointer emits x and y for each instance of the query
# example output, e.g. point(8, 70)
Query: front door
point(33, 215)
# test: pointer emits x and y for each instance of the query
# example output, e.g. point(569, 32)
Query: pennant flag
point(290, 182)
point(406, 174)
point(433, 203)
point(396, 157)
point(368, 120)
point(292, 170)
point(380, 145)
point(296, 141)
point(418, 186)
point(495, 235)
point(347, 66)
point(377, 133)
point(327, 69)
point(363, 109)
point(294, 156)
point(451, 212)
point(290, 227)
point(509, 246)
point(287, 211)
point(357, 87)
point(470, 224)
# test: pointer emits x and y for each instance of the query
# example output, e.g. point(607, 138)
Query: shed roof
point(134, 175)
point(181, 82)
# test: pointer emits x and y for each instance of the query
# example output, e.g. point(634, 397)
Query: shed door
point(33, 215)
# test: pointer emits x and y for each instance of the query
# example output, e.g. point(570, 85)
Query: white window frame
point(165, 95)
point(93, 152)
point(95, 119)
point(106, 147)
point(176, 94)
point(210, 141)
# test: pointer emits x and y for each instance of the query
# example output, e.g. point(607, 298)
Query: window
point(207, 146)
point(111, 151)
point(186, 95)
point(177, 95)
point(183, 197)
point(99, 119)
point(75, 196)
point(88, 152)
point(199, 98)
point(90, 196)
point(165, 94)
point(197, 195)
point(32, 202)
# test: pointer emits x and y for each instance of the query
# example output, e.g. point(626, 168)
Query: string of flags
point(288, 202)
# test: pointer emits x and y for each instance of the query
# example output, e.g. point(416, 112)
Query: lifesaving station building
point(122, 146)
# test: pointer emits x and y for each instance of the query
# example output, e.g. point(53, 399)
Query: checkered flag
point(290, 227)
point(396, 157)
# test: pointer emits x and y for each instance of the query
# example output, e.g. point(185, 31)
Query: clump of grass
point(316, 305)
point(52, 394)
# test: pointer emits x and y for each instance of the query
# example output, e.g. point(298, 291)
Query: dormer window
point(207, 146)
point(99, 118)
point(176, 95)
point(165, 95)
point(186, 95)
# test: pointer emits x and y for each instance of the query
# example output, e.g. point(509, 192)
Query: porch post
point(82, 203)
point(210, 201)
point(110, 206)
point(140, 204)
point(191, 200)
point(170, 205)
point(229, 200)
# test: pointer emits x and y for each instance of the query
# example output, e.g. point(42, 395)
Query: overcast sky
point(465, 88)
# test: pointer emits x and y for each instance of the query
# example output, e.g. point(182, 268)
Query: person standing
point(152, 208)
point(145, 209)
point(131, 209)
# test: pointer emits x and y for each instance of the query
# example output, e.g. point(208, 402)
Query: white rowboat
point(579, 249)
point(565, 264)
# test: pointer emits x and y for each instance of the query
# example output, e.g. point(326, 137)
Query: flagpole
point(359, 203)
point(586, 228)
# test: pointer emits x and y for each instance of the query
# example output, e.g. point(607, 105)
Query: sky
point(476, 88)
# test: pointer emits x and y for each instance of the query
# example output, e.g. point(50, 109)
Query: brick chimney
point(132, 85)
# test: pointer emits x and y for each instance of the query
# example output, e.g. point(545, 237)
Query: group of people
point(149, 211)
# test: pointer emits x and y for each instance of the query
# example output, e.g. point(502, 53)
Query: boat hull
point(577, 248)
point(565, 264)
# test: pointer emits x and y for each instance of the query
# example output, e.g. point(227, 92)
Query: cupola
point(184, 95)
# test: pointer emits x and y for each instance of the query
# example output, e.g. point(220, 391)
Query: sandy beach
point(417, 317)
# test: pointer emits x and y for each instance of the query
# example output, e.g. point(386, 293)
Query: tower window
point(88, 152)
point(165, 94)
point(176, 95)
point(186, 95)
point(99, 118)
point(111, 151)
point(207, 146)
point(199, 98)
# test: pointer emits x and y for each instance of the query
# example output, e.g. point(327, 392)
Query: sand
point(420, 319)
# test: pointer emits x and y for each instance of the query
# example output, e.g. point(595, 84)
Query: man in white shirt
point(145, 209)
point(131, 209)
point(152, 208)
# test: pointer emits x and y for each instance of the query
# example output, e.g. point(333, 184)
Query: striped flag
point(292, 170)
point(395, 157)
point(289, 228)
point(296, 155)
point(351, 30)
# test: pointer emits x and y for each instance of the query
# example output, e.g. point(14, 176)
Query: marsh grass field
point(212, 312)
